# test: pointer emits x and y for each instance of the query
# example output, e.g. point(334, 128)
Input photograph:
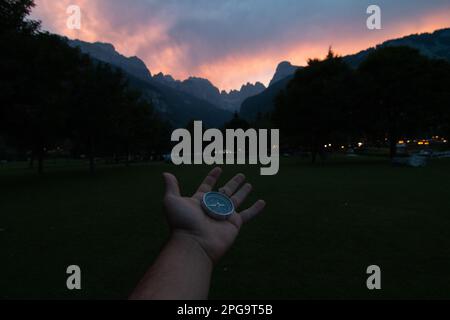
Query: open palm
point(186, 216)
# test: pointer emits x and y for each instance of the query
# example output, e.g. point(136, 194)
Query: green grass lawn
point(323, 226)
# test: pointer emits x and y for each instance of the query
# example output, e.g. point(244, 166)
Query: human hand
point(188, 220)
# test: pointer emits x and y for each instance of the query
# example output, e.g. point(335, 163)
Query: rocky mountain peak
point(107, 53)
point(284, 69)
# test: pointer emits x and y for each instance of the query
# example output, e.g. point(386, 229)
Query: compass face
point(218, 205)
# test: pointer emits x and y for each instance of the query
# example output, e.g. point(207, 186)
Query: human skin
point(183, 269)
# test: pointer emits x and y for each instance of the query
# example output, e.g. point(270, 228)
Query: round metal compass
point(217, 205)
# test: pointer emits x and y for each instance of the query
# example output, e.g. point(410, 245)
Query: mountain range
point(435, 45)
point(180, 101)
point(177, 101)
point(204, 89)
point(107, 53)
point(178, 107)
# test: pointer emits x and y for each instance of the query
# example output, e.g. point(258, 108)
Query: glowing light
point(360, 144)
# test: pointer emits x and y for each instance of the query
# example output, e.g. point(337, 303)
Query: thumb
point(171, 182)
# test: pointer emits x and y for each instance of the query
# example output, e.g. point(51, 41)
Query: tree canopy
point(53, 94)
point(395, 92)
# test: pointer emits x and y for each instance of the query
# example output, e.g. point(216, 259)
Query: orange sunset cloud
point(161, 36)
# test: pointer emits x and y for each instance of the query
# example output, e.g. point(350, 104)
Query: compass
point(217, 205)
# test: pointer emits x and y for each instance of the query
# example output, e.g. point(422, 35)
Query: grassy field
point(323, 226)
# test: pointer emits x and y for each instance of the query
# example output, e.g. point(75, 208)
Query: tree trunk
point(40, 157)
point(314, 156)
point(393, 131)
point(91, 157)
point(393, 149)
point(91, 164)
point(127, 160)
point(31, 163)
point(393, 145)
point(314, 149)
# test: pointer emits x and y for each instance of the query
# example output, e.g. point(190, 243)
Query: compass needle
point(217, 205)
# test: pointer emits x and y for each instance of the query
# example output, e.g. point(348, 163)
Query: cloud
point(232, 42)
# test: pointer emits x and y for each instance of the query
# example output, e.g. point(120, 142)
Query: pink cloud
point(135, 30)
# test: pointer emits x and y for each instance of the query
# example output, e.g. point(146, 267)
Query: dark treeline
point(54, 98)
point(395, 93)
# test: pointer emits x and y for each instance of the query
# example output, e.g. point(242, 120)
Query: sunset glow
point(235, 42)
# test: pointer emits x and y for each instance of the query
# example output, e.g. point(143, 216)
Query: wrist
point(192, 245)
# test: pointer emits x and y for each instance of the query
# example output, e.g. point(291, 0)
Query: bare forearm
point(182, 271)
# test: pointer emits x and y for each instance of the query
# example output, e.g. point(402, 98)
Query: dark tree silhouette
point(397, 86)
point(396, 92)
point(237, 123)
point(314, 109)
point(13, 17)
point(53, 96)
point(35, 113)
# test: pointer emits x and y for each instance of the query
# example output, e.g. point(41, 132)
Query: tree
point(397, 86)
point(137, 128)
point(15, 33)
point(35, 113)
point(97, 99)
point(13, 17)
point(237, 123)
point(314, 109)
point(107, 117)
point(438, 115)
point(53, 96)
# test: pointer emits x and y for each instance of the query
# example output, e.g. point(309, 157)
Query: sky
point(232, 42)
